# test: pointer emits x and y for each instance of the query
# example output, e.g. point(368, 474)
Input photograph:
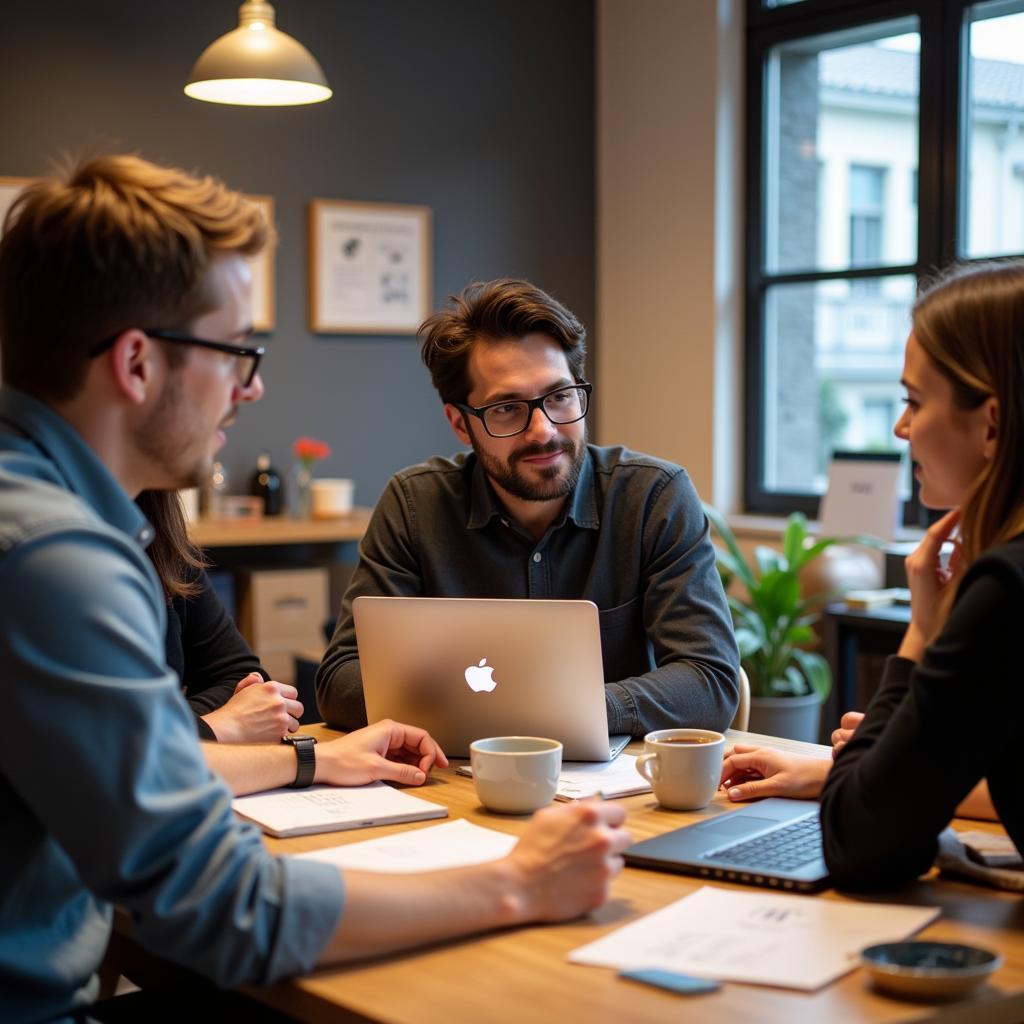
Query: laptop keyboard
point(783, 849)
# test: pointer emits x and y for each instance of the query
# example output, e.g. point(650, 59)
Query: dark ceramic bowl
point(928, 969)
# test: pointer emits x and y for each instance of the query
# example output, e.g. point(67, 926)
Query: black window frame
point(942, 160)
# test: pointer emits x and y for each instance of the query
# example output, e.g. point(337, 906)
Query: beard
point(553, 482)
point(168, 438)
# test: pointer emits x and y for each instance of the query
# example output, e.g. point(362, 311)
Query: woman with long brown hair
point(233, 699)
point(949, 713)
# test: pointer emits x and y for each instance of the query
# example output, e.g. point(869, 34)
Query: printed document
point(765, 938)
point(300, 812)
point(581, 779)
point(454, 844)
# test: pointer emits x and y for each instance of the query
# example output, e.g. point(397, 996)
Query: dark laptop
point(775, 843)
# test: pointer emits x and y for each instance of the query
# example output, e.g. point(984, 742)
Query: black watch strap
point(305, 758)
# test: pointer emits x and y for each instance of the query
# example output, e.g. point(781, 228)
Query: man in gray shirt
point(536, 512)
point(124, 322)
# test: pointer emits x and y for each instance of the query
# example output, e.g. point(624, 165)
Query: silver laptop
point(467, 668)
point(775, 843)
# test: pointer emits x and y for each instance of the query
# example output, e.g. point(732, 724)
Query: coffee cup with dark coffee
point(683, 766)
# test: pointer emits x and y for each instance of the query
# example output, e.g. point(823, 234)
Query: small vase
point(303, 490)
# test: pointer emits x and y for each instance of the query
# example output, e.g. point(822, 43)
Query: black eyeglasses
point(248, 356)
point(508, 418)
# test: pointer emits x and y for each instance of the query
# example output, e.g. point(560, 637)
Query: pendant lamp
point(256, 65)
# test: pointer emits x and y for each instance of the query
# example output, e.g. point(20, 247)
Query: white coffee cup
point(683, 766)
point(331, 497)
point(515, 774)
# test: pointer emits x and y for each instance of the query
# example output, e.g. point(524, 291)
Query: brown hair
point(118, 243)
point(176, 559)
point(494, 310)
point(970, 323)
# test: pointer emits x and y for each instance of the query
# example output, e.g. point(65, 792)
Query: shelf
point(279, 530)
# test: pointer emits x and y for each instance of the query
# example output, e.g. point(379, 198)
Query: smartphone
point(672, 981)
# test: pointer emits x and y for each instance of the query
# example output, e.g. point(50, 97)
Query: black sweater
point(931, 733)
point(207, 651)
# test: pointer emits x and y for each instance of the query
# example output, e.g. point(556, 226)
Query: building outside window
point(855, 118)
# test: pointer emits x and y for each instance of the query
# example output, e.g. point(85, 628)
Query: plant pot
point(795, 718)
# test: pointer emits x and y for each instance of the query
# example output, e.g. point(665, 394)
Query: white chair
point(742, 719)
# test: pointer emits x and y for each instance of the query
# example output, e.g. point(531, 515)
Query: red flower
point(308, 450)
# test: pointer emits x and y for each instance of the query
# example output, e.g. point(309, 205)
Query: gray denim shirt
point(632, 538)
point(104, 793)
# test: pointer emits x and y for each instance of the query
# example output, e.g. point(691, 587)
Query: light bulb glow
point(257, 92)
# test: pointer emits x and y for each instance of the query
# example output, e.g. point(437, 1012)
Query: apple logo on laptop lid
point(480, 677)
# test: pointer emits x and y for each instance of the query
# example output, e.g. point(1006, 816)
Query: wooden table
point(522, 974)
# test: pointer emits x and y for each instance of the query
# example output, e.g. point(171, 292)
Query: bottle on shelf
point(215, 488)
point(267, 484)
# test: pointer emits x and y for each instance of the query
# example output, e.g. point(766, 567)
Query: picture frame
point(264, 306)
point(369, 267)
point(9, 189)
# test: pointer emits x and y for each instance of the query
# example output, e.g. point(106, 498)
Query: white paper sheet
point(451, 845)
point(765, 938)
point(581, 779)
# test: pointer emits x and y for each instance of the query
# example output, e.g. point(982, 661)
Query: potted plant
point(772, 620)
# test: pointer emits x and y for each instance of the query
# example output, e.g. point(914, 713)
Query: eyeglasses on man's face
point(247, 356)
point(565, 404)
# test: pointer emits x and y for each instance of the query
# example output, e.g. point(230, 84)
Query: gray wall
point(479, 109)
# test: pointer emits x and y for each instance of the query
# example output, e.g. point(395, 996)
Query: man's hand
point(847, 727)
point(258, 712)
point(385, 750)
point(749, 773)
point(564, 864)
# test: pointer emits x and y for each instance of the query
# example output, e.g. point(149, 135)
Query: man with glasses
point(534, 511)
point(105, 797)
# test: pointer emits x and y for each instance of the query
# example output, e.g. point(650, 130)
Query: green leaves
point(772, 621)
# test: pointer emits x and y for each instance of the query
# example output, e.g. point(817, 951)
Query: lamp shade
point(256, 65)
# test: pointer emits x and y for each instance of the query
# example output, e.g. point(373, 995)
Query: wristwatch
point(305, 757)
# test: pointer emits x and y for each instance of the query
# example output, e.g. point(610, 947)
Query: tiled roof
point(875, 70)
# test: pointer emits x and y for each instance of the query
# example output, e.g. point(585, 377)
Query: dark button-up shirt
point(632, 537)
point(104, 793)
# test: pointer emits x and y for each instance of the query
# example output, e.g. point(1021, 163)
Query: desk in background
point(281, 579)
point(856, 643)
point(510, 976)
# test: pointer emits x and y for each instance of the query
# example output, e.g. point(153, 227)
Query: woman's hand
point(749, 773)
point(258, 712)
point(928, 580)
point(847, 727)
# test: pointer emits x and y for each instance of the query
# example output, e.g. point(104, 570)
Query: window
point(866, 188)
point(884, 138)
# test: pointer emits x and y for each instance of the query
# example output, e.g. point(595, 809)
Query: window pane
point(841, 145)
point(994, 189)
point(833, 361)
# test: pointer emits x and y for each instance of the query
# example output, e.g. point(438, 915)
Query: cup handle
point(647, 766)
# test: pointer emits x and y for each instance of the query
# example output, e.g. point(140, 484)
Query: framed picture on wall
point(263, 306)
point(369, 267)
point(9, 189)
